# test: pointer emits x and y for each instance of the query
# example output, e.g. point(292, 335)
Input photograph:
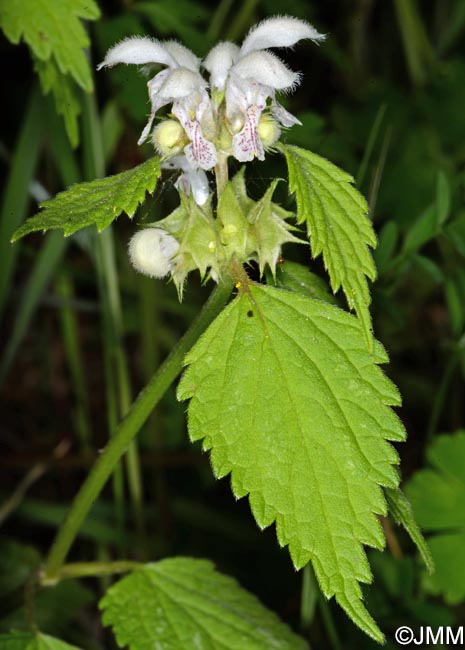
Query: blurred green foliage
point(384, 98)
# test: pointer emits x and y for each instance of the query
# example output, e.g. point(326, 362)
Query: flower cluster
point(240, 116)
point(234, 114)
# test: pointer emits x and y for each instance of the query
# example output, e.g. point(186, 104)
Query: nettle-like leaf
point(98, 202)
point(338, 226)
point(31, 641)
point(437, 495)
point(184, 603)
point(40, 23)
point(298, 278)
point(289, 400)
point(400, 510)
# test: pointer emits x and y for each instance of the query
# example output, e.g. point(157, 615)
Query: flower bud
point(268, 130)
point(151, 252)
point(169, 138)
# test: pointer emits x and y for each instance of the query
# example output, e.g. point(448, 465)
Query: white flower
point(192, 179)
point(180, 84)
point(250, 75)
point(151, 252)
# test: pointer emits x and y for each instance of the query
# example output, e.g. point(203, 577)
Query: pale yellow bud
point(268, 130)
point(169, 138)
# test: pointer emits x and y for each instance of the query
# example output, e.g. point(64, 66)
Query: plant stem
point(89, 569)
point(218, 19)
point(221, 173)
point(128, 429)
point(329, 623)
point(441, 395)
point(309, 597)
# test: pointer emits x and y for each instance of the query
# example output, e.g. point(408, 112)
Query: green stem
point(89, 569)
point(441, 395)
point(221, 173)
point(329, 623)
point(118, 383)
point(148, 398)
point(309, 598)
point(242, 20)
point(219, 17)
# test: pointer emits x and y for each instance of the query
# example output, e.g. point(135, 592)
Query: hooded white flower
point(151, 252)
point(250, 75)
point(180, 84)
point(191, 180)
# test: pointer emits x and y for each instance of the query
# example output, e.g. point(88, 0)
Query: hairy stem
point(221, 173)
point(128, 429)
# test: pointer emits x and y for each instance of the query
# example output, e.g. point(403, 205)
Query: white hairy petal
point(138, 51)
point(151, 252)
point(219, 61)
point(195, 181)
point(181, 82)
point(191, 180)
point(247, 143)
point(157, 102)
point(190, 111)
point(267, 69)
point(283, 116)
point(282, 31)
point(184, 57)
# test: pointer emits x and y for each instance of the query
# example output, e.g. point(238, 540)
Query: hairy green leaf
point(99, 201)
point(437, 495)
point(184, 603)
point(401, 510)
point(41, 24)
point(338, 227)
point(289, 400)
point(298, 278)
point(31, 641)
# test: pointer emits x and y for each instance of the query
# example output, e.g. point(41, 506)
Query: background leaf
point(437, 495)
point(184, 603)
point(30, 641)
point(290, 402)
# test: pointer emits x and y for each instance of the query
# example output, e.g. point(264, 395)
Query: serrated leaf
point(437, 495)
point(184, 603)
point(52, 29)
point(98, 202)
point(64, 91)
point(298, 278)
point(338, 227)
point(31, 641)
point(401, 510)
point(288, 399)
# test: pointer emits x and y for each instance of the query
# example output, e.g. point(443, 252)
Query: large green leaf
point(52, 28)
point(437, 495)
point(290, 401)
point(31, 641)
point(99, 201)
point(184, 603)
point(338, 227)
